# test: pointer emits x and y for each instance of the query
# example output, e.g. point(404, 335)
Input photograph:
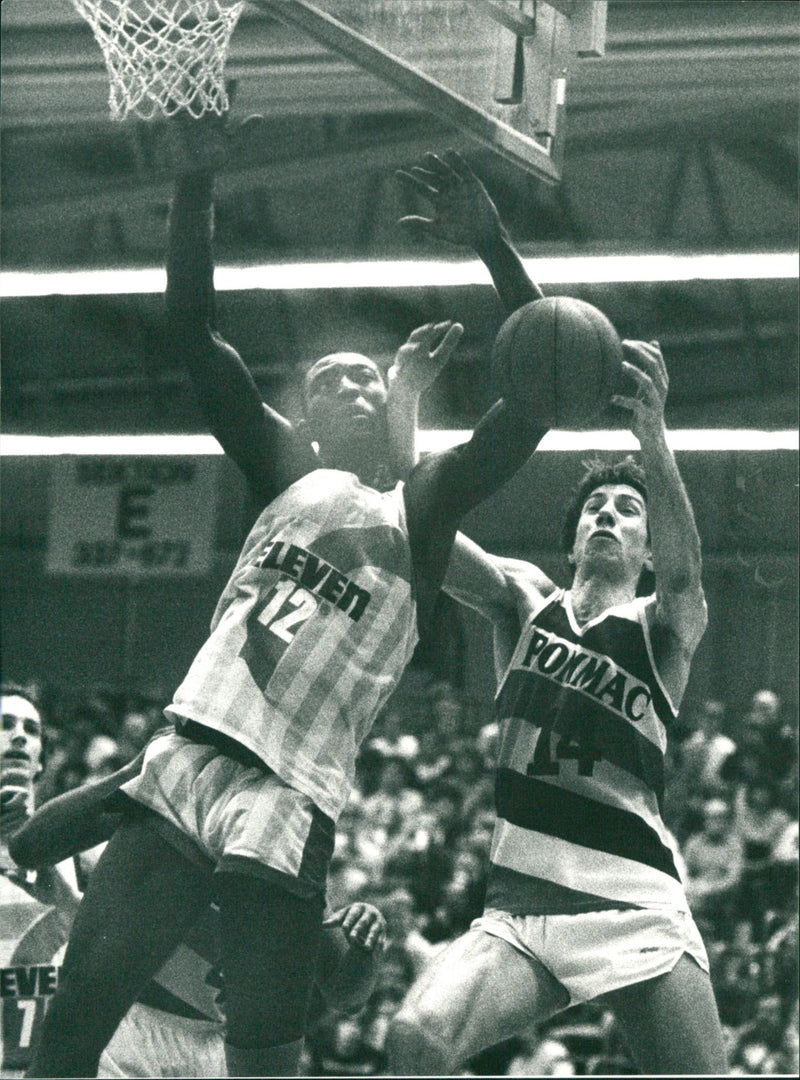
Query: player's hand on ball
point(645, 365)
point(420, 359)
point(463, 211)
point(362, 924)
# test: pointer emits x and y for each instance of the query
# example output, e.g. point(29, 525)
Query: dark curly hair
point(626, 471)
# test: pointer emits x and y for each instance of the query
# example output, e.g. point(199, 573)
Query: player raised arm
point(674, 540)
point(417, 363)
point(464, 214)
point(261, 441)
point(446, 485)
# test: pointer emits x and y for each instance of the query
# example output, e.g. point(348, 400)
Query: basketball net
point(163, 56)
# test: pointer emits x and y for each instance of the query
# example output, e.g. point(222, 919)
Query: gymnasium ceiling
point(683, 138)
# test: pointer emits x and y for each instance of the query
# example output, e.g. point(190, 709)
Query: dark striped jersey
point(583, 716)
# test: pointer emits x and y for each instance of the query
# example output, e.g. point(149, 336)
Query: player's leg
point(671, 1022)
point(141, 899)
point(477, 992)
point(269, 944)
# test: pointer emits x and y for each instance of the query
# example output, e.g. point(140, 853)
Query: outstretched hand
point(422, 356)
point(363, 925)
point(463, 211)
point(645, 365)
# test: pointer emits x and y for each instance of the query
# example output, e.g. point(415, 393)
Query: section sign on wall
point(133, 516)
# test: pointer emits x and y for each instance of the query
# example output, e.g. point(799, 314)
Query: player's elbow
point(681, 582)
point(685, 577)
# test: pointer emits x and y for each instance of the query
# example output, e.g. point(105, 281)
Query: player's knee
point(414, 1049)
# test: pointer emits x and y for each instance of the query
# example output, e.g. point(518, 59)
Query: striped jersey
point(311, 633)
point(583, 716)
point(36, 913)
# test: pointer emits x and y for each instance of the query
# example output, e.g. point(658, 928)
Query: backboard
point(496, 69)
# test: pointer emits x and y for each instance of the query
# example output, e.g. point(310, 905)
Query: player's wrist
point(492, 242)
point(198, 146)
point(653, 437)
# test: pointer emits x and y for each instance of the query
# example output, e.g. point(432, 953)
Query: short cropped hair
point(303, 370)
point(627, 471)
point(12, 689)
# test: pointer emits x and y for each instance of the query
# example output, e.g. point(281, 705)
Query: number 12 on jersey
point(301, 605)
point(272, 627)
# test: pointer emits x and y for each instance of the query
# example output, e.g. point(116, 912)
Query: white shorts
point(231, 816)
point(152, 1043)
point(593, 952)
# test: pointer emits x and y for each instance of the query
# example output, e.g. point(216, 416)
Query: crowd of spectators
point(415, 837)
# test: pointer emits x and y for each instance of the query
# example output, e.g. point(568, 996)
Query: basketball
point(560, 359)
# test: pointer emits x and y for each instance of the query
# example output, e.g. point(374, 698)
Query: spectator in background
point(442, 735)
point(136, 727)
point(487, 743)
point(403, 929)
point(447, 712)
point(714, 861)
point(363, 842)
point(785, 856)
point(467, 768)
point(396, 799)
point(682, 802)
point(469, 775)
point(435, 757)
point(766, 747)
point(390, 737)
point(760, 825)
point(378, 1016)
point(419, 855)
point(102, 757)
point(781, 967)
point(445, 800)
point(759, 1044)
point(339, 1048)
point(479, 829)
point(347, 880)
point(550, 1057)
point(707, 749)
point(461, 900)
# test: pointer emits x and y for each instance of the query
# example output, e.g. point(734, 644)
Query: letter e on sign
point(133, 509)
point(137, 516)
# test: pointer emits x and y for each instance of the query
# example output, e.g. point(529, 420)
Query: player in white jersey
point(176, 1028)
point(584, 898)
point(312, 633)
point(36, 907)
